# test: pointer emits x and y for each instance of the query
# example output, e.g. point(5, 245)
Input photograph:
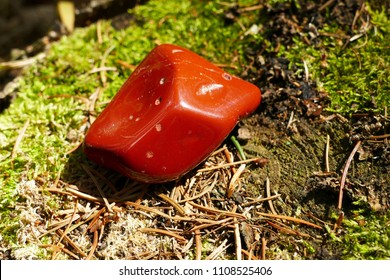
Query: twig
point(268, 192)
point(345, 171)
point(263, 247)
point(198, 245)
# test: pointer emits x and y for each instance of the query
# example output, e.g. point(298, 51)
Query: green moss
point(368, 236)
point(356, 75)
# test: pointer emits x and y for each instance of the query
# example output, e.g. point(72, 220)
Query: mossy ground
point(54, 99)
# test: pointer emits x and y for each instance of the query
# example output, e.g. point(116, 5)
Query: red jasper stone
point(171, 113)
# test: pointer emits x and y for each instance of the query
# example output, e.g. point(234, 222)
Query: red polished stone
point(170, 114)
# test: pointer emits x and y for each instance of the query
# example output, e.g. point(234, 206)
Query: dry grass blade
point(345, 172)
point(164, 232)
point(18, 141)
point(327, 169)
point(292, 219)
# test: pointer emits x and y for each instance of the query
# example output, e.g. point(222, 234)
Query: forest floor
point(307, 176)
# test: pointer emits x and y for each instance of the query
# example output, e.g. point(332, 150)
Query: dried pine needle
point(173, 203)
point(164, 232)
point(292, 219)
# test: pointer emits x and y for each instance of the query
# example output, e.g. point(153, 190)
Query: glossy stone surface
point(171, 113)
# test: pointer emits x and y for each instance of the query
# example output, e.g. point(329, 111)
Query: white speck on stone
point(157, 101)
point(131, 117)
point(209, 89)
point(176, 51)
point(227, 76)
point(149, 154)
point(158, 127)
point(162, 81)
